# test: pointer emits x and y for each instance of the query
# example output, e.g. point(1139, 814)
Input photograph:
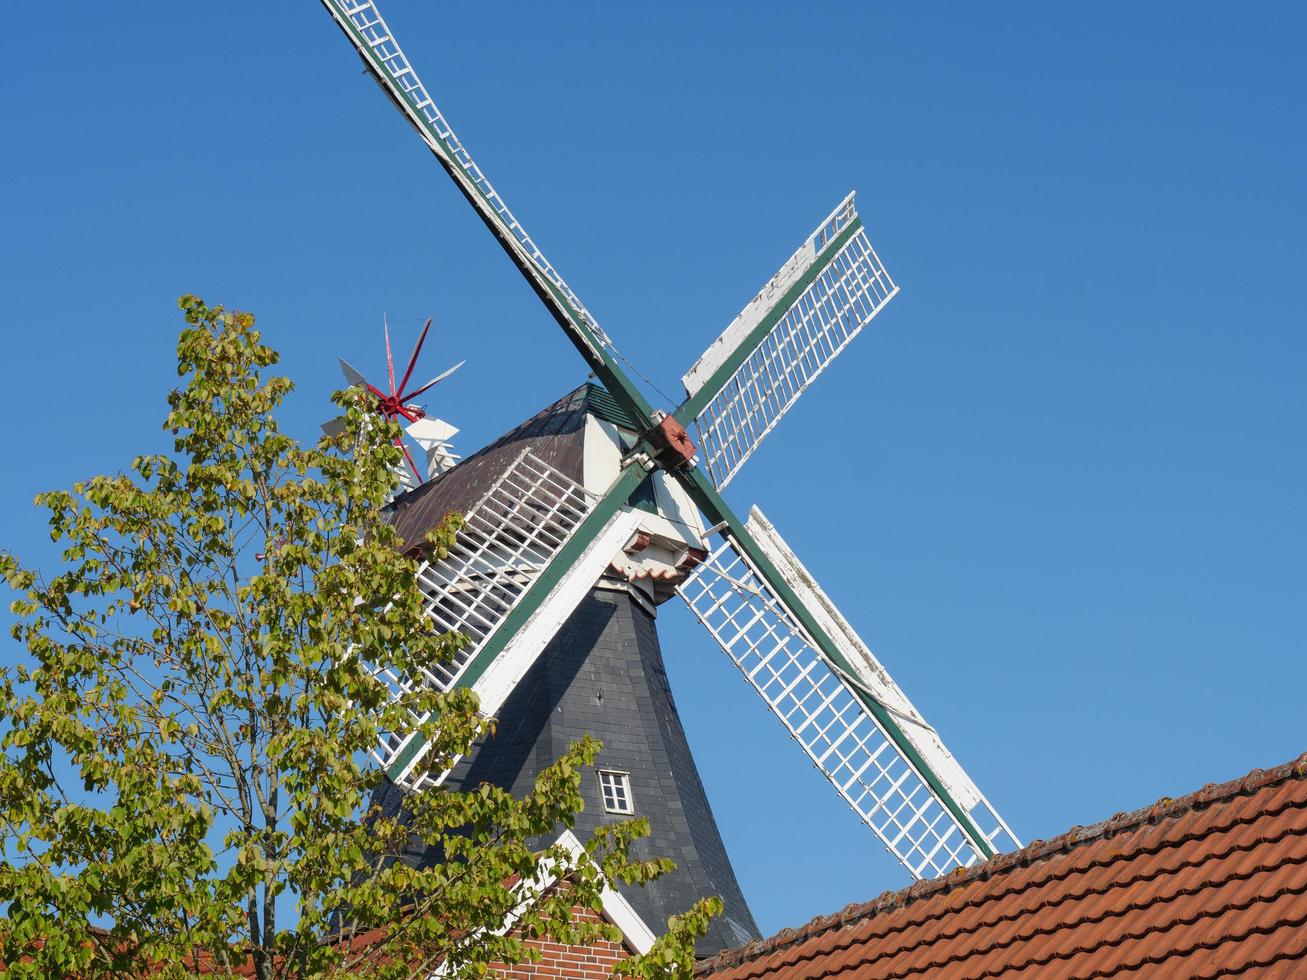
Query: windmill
point(645, 502)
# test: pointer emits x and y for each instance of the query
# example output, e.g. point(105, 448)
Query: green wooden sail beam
point(689, 409)
point(368, 32)
point(710, 502)
point(821, 298)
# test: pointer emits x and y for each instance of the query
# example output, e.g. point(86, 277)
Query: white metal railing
point(827, 718)
point(816, 327)
point(380, 48)
point(509, 536)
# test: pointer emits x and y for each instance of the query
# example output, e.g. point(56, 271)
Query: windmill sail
point(363, 24)
point(788, 334)
point(510, 537)
point(930, 828)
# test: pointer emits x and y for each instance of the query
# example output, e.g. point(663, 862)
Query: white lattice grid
point(826, 717)
point(843, 299)
point(508, 538)
point(384, 51)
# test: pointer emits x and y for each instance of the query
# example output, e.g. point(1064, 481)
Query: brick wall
point(557, 961)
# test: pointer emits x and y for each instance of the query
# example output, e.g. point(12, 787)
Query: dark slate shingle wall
point(603, 675)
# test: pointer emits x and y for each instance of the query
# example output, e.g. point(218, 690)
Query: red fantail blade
point(390, 361)
point(409, 456)
point(434, 381)
point(417, 349)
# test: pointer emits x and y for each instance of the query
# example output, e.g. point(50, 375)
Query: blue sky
point(1057, 486)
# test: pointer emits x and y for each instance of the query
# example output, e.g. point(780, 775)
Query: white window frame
point(615, 791)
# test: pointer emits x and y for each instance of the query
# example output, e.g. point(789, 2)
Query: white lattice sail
point(788, 334)
point(822, 707)
point(371, 37)
point(508, 538)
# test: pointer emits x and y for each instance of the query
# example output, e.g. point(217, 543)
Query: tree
point(185, 785)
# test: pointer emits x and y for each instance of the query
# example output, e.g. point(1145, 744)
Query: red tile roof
point(1213, 884)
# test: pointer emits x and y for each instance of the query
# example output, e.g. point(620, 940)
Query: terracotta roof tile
point(1212, 884)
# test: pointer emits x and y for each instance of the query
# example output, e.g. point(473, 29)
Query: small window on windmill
point(615, 787)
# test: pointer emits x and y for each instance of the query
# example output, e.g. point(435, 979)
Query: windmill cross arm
point(368, 32)
point(714, 366)
point(780, 629)
point(864, 671)
point(787, 335)
point(742, 335)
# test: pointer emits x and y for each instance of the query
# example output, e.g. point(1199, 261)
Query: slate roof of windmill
point(556, 435)
point(1211, 884)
